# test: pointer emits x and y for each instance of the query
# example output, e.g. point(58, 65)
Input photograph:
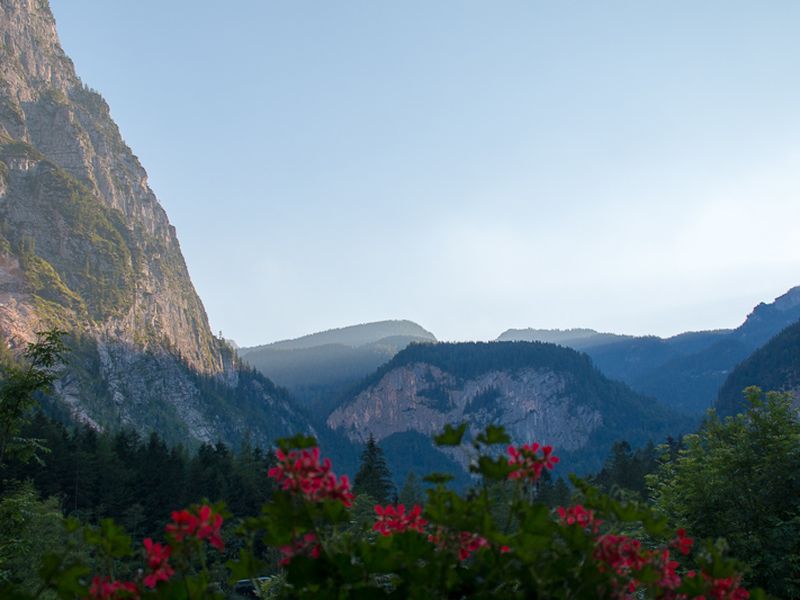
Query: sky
point(629, 166)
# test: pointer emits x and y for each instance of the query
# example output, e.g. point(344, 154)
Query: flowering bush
point(455, 547)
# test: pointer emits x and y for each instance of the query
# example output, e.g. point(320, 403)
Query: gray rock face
point(532, 404)
point(86, 246)
point(45, 105)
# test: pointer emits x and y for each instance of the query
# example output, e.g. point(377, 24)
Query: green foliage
point(625, 470)
point(101, 475)
point(451, 436)
point(738, 479)
point(19, 383)
point(464, 546)
point(29, 529)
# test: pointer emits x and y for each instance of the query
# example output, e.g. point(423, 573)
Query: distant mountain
point(577, 339)
point(86, 246)
point(774, 366)
point(540, 392)
point(685, 371)
point(317, 368)
point(353, 336)
point(691, 381)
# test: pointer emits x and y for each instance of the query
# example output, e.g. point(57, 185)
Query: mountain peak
point(352, 335)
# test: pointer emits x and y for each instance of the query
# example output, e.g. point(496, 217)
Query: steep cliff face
point(539, 392)
point(86, 246)
point(75, 197)
point(533, 405)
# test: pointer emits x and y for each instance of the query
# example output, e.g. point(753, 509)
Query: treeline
point(134, 480)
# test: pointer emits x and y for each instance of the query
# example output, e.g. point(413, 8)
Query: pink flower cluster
point(528, 463)
point(103, 588)
point(578, 515)
point(465, 543)
point(300, 471)
point(204, 525)
point(393, 519)
point(626, 558)
point(306, 545)
point(159, 568)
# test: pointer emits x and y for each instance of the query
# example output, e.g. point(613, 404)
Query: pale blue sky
point(471, 165)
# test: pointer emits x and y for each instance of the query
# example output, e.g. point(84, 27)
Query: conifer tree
point(412, 492)
point(373, 477)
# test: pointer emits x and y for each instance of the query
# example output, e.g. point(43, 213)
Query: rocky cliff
point(539, 392)
point(86, 246)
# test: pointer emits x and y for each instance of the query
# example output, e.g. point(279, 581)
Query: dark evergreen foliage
point(775, 366)
point(137, 481)
point(625, 469)
point(373, 477)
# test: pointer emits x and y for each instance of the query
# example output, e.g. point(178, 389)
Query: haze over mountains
point(685, 371)
point(85, 246)
point(317, 367)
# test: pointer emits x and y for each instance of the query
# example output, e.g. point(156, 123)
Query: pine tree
point(412, 492)
point(373, 477)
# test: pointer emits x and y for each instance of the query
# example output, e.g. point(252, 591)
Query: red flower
point(307, 545)
point(579, 515)
point(682, 542)
point(204, 525)
point(726, 588)
point(464, 543)
point(393, 519)
point(183, 525)
point(300, 471)
point(622, 554)
point(157, 556)
point(209, 524)
point(471, 542)
point(103, 588)
point(527, 463)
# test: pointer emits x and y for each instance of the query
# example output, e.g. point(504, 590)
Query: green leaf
point(296, 442)
point(451, 436)
point(246, 567)
point(494, 434)
point(438, 478)
point(110, 538)
point(495, 469)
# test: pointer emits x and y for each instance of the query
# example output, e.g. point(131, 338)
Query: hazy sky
point(470, 165)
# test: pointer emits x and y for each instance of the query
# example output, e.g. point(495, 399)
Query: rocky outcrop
point(86, 246)
point(533, 405)
point(538, 392)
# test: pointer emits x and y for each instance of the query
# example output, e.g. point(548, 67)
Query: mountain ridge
point(684, 371)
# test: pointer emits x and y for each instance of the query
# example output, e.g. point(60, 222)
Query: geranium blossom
point(527, 463)
point(465, 543)
point(395, 519)
point(682, 542)
point(578, 515)
point(103, 588)
point(157, 557)
point(305, 545)
point(300, 471)
point(205, 524)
